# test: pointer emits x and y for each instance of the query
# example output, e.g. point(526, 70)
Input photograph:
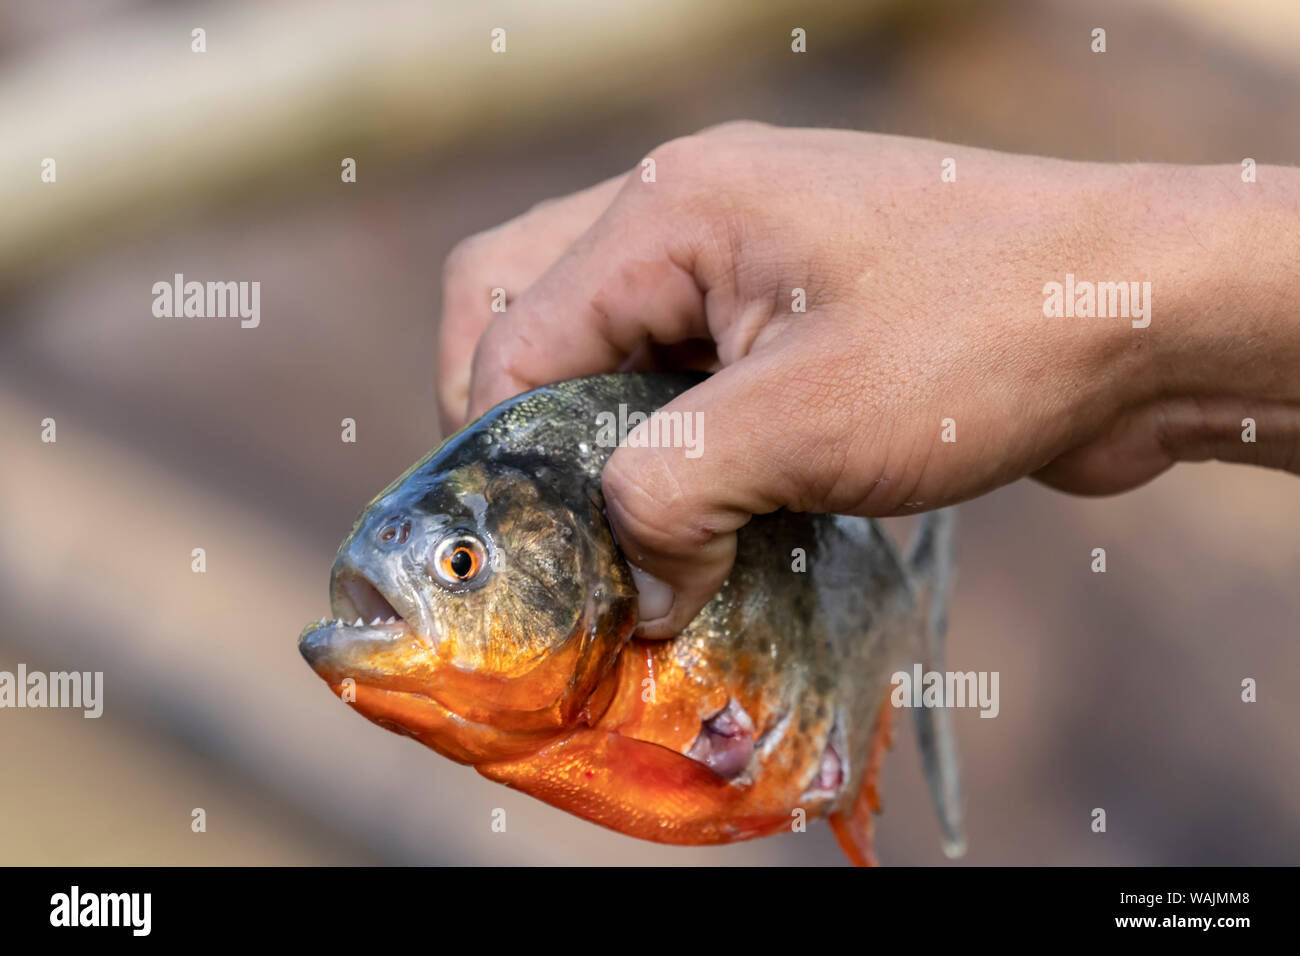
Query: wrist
point(1224, 257)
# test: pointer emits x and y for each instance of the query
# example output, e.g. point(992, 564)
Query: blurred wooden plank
point(142, 128)
point(1266, 28)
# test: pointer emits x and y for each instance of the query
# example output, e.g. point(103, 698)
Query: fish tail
point(930, 560)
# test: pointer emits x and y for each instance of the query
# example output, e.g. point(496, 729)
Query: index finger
point(509, 257)
point(629, 279)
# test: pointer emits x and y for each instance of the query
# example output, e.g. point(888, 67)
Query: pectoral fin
point(638, 788)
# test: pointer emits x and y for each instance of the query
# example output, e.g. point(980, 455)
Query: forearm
point(1231, 282)
point(1216, 373)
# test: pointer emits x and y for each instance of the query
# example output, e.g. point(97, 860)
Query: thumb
point(675, 511)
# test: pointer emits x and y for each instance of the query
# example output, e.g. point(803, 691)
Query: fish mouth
point(354, 595)
point(369, 639)
point(358, 595)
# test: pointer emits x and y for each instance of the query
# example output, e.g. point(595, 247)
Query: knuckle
point(677, 148)
point(647, 504)
point(691, 176)
point(736, 128)
point(682, 165)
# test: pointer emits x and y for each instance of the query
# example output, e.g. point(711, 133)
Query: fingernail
point(655, 599)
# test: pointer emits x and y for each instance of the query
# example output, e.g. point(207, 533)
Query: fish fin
point(638, 788)
point(854, 828)
point(931, 561)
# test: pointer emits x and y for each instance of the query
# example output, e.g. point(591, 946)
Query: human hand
point(924, 322)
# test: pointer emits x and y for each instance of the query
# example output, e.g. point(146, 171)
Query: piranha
point(502, 634)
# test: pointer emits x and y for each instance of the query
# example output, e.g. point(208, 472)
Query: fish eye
point(460, 559)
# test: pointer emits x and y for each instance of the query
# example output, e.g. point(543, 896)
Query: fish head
point(497, 602)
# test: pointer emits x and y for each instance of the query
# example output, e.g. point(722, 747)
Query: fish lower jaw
point(429, 721)
point(326, 643)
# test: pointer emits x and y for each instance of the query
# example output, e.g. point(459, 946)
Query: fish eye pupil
point(462, 563)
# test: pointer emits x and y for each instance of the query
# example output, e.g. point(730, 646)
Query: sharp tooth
point(392, 620)
point(374, 622)
point(359, 623)
point(322, 621)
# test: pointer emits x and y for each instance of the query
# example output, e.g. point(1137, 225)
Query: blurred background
point(1119, 691)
